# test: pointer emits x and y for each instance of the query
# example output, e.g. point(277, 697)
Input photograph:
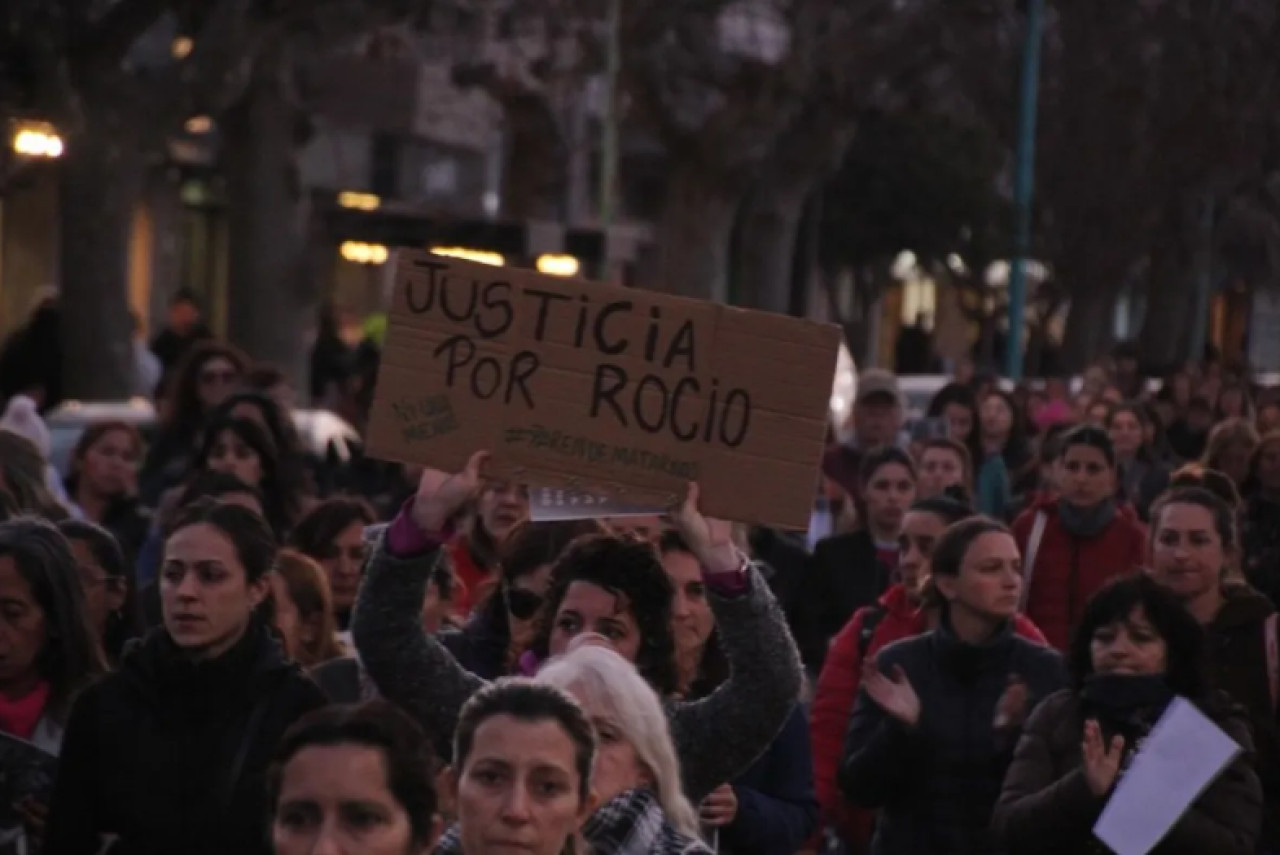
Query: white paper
point(548, 504)
point(1181, 756)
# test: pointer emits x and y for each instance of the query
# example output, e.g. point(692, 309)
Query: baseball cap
point(877, 381)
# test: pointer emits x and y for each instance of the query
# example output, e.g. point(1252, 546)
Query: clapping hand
point(441, 495)
point(1011, 709)
point(895, 696)
point(710, 540)
point(1101, 763)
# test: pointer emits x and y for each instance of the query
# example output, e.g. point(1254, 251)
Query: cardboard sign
point(626, 393)
point(552, 504)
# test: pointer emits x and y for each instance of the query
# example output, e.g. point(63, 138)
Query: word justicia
point(689, 408)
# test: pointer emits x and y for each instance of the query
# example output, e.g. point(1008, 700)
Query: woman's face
point(990, 578)
point(940, 468)
point(888, 494)
point(288, 620)
point(959, 421)
point(109, 467)
point(103, 594)
point(1097, 413)
point(206, 596)
point(997, 418)
point(234, 456)
point(589, 608)
point(525, 597)
point(1187, 554)
point(502, 507)
point(343, 563)
point(1130, 646)
point(691, 618)
point(519, 789)
point(1268, 466)
point(1086, 478)
point(1231, 402)
point(216, 380)
point(1126, 434)
point(1269, 419)
point(1233, 461)
point(920, 531)
point(618, 767)
point(23, 630)
point(335, 798)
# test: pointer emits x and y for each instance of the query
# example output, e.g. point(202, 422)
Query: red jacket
point(1068, 571)
point(837, 690)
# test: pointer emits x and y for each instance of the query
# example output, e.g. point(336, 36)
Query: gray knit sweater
point(716, 737)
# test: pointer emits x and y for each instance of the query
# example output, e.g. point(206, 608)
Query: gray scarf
point(1086, 523)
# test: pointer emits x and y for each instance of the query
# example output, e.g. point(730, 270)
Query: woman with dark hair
point(1194, 548)
point(956, 404)
point(168, 754)
point(240, 447)
point(204, 378)
point(353, 779)
point(603, 586)
point(770, 809)
point(1003, 461)
point(110, 599)
point(1136, 649)
point(332, 533)
point(1076, 541)
point(295, 467)
point(103, 482)
point(1140, 476)
point(852, 570)
point(909, 608)
point(938, 715)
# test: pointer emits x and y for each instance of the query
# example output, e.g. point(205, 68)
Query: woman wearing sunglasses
point(493, 639)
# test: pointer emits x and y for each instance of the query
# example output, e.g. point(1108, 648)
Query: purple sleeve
point(734, 583)
point(406, 540)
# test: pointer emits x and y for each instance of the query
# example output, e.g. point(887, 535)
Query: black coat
point(937, 783)
point(169, 756)
point(843, 576)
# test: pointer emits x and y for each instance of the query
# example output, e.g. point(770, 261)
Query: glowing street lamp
point(37, 139)
point(553, 264)
point(480, 256)
point(358, 201)
point(364, 253)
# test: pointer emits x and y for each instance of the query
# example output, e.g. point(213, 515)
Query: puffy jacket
point(1047, 808)
point(936, 783)
point(1069, 570)
point(895, 617)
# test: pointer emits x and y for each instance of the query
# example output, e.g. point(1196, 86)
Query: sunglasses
point(523, 603)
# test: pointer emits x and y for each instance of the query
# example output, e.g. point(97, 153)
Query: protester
point(302, 610)
point(515, 737)
point(240, 447)
point(1193, 547)
point(852, 570)
point(1230, 450)
point(500, 506)
point(770, 809)
point(1136, 649)
point(206, 376)
point(102, 483)
point(609, 585)
point(297, 470)
point(937, 715)
point(168, 753)
point(353, 780)
point(1002, 468)
point(106, 579)
point(332, 533)
point(1072, 544)
point(1140, 476)
point(1261, 522)
point(943, 464)
point(23, 475)
point(874, 423)
point(183, 329)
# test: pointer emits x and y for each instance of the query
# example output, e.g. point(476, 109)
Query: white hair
point(603, 681)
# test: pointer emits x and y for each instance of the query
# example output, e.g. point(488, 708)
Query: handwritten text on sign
point(572, 383)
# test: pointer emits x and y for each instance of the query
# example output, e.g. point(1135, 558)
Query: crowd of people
point(223, 642)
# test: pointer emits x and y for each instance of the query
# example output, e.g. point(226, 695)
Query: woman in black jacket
point(938, 715)
point(168, 753)
point(1135, 650)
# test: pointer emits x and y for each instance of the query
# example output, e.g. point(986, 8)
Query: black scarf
point(1127, 703)
point(1086, 523)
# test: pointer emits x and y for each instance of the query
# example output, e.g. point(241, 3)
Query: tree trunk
point(766, 244)
point(694, 232)
point(1170, 294)
point(1089, 326)
point(102, 176)
point(271, 301)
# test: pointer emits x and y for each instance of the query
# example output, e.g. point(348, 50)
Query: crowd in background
point(234, 643)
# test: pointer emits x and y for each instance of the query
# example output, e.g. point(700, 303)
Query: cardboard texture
point(628, 393)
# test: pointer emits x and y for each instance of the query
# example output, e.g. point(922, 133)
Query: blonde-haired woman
point(636, 778)
point(1230, 449)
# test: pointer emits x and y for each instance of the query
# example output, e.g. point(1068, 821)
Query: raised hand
point(1011, 709)
point(441, 495)
point(711, 541)
point(893, 695)
point(1101, 763)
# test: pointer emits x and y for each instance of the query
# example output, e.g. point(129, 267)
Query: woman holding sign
point(1136, 649)
point(604, 585)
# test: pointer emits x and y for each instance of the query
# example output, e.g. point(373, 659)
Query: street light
point(553, 264)
point(364, 253)
point(198, 125)
point(358, 201)
point(37, 139)
point(479, 256)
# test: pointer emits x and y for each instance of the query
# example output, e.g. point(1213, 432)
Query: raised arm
point(722, 734)
point(410, 667)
